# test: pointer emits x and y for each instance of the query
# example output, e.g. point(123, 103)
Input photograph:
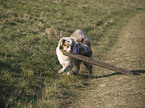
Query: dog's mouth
point(67, 46)
point(67, 49)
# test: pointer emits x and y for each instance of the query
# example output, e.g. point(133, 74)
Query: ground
point(29, 34)
point(116, 90)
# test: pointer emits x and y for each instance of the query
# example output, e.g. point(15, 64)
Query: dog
point(79, 36)
point(69, 45)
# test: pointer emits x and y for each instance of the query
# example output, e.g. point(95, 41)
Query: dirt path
point(115, 90)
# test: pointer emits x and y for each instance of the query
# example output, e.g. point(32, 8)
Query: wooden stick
point(98, 63)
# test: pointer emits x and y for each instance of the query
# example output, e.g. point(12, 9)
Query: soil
point(115, 90)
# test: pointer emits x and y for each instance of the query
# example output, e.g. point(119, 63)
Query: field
point(29, 34)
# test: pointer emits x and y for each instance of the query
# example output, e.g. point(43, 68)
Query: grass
point(112, 89)
point(29, 34)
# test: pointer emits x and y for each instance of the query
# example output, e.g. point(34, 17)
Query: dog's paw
point(76, 72)
point(60, 72)
point(91, 76)
point(68, 73)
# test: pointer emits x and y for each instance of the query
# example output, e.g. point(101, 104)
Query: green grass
point(29, 34)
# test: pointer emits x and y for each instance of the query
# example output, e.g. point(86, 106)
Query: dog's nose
point(68, 51)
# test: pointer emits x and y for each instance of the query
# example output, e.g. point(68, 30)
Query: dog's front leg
point(69, 69)
point(77, 64)
point(62, 69)
point(66, 69)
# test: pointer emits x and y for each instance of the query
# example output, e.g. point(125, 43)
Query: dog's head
point(66, 44)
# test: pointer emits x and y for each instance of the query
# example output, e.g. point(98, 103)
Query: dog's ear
point(72, 44)
point(61, 42)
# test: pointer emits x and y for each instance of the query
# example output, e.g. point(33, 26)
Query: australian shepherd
point(68, 44)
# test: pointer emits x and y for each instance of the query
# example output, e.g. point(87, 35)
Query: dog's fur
point(68, 44)
point(79, 36)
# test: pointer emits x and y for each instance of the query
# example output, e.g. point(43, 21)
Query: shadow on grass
point(108, 75)
point(135, 72)
point(85, 77)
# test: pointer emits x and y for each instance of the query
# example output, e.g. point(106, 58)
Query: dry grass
point(114, 90)
point(29, 33)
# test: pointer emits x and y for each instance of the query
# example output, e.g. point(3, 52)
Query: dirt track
point(114, 90)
